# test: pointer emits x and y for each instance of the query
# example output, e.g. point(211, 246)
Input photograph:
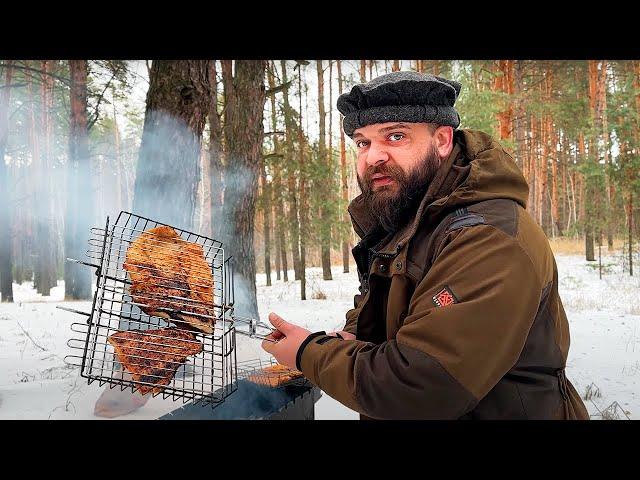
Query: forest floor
point(603, 363)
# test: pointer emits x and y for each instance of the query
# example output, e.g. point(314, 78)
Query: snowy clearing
point(604, 357)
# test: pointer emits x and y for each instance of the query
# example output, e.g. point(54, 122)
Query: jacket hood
point(477, 169)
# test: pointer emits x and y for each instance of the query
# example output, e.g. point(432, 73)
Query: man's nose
point(376, 155)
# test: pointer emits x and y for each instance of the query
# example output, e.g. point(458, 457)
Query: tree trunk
point(343, 176)
point(533, 167)
point(79, 214)
point(518, 123)
point(564, 186)
point(330, 133)
point(333, 226)
point(244, 156)
point(303, 197)
point(22, 220)
point(503, 83)
point(591, 190)
point(553, 153)
point(282, 243)
point(565, 213)
point(276, 232)
point(294, 224)
point(266, 205)
point(581, 183)
point(6, 253)
point(168, 171)
point(589, 247)
point(541, 177)
point(630, 216)
point(396, 68)
point(276, 210)
point(278, 193)
point(325, 220)
point(363, 71)
point(33, 179)
point(573, 204)
point(574, 184)
point(117, 162)
point(609, 184)
point(216, 167)
point(45, 276)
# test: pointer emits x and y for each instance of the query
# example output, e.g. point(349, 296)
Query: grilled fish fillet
point(171, 279)
point(274, 375)
point(154, 356)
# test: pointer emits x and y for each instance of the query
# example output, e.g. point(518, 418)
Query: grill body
point(252, 401)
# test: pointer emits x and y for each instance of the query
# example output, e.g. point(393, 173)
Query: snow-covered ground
point(604, 357)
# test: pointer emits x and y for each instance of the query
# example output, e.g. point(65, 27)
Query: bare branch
point(279, 88)
point(30, 338)
point(100, 98)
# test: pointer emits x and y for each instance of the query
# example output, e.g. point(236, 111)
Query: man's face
point(396, 164)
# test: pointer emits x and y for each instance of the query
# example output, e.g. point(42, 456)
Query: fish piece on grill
point(171, 279)
point(154, 356)
point(274, 375)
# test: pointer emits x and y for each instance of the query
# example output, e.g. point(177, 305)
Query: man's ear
point(443, 138)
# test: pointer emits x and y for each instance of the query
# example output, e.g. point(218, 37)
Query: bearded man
point(458, 315)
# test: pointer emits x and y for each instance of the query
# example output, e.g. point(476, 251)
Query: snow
point(604, 318)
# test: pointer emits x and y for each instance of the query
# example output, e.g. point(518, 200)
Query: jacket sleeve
point(444, 359)
point(352, 321)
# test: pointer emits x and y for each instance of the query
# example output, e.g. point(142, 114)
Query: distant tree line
point(253, 154)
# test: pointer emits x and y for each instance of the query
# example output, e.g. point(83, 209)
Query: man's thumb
point(268, 346)
point(280, 323)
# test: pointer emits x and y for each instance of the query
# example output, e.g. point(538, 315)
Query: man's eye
point(394, 137)
point(361, 143)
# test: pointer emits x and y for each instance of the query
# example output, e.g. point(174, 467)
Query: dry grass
point(571, 246)
point(591, 392)
point(319, 295)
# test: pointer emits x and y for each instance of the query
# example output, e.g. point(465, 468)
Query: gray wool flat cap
point(400, 97)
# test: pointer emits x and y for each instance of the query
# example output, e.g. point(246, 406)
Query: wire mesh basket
point(157, 329)
point(269, 373)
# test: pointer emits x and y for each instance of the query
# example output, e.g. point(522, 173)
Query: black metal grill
point(252, 401)
point(257, 371)
point(208, 377)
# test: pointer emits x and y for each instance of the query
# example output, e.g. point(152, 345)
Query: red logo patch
point(444, 297)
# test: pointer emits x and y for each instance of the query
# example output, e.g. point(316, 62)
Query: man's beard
point(393, 205)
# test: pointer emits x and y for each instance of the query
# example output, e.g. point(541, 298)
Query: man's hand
point(343, 334)
point(288, 338)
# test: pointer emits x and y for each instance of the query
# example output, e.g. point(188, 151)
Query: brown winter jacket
point(458, 315)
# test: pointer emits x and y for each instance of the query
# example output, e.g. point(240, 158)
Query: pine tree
point(80, 201)
point(6, 253)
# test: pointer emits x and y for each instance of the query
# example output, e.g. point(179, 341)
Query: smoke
point(235, 229)
point(51, 217)
point(38, 183)
point(249, 401)
point(168, 171)
point(244, 296)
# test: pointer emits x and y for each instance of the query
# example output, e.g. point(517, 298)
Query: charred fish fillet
point(154, 356)
point(171, 279)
